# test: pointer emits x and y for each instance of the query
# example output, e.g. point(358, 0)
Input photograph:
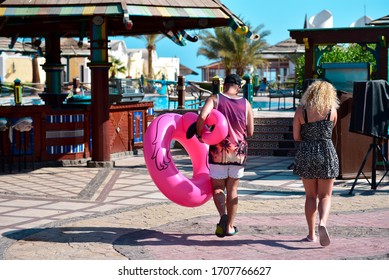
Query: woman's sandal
point(324, 237)
point(309, 239)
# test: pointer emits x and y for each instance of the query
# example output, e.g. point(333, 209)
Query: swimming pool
point(161, 103)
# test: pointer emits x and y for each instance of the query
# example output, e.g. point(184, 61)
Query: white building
point(137, 62)
point(168, 67)
point(119, 51)
point(15, 65)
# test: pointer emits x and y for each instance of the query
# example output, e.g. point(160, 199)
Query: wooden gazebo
point(281, 54)
point(312, 38)
point(97, 20)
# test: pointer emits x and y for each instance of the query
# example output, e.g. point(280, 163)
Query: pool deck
point(118, 213)
point(83, 213)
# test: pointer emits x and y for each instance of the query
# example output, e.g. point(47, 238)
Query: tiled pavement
point(77, 212)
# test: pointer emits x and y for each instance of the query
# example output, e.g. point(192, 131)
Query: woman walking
point(316, 161)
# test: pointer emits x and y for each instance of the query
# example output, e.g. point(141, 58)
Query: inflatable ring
point(218, 123)
point(156, 149)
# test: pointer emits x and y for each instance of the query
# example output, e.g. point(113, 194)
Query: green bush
point(340, 53)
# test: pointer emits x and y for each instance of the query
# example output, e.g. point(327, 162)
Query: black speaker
point(370, 108)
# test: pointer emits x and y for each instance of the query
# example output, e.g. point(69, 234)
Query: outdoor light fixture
point(306, 43)
point(382, 41)
point(127, 21)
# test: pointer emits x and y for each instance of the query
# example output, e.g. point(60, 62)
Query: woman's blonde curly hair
point(320, 96)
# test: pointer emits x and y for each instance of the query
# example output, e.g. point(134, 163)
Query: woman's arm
point(334, 116)
point(297, 124)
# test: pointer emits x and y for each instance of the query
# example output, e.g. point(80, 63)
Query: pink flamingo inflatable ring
point(184, 191)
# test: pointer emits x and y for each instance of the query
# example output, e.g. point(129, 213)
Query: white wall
point(136, 63)
point(2, 67)
point(119, 51)
point(169, 66)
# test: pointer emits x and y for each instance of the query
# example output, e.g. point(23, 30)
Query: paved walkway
point(77, 212)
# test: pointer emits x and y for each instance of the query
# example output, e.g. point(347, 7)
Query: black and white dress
point(316, 157)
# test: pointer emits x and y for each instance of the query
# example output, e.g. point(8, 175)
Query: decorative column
point(99, 66)
point(248, 88)
point(53, 68)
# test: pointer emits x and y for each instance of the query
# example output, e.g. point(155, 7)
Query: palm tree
point(36, 80)
point(151, 41)
point(235, 51)
point(117, 67)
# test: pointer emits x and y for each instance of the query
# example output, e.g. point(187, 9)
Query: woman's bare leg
point(310, 186)
point(324, 194)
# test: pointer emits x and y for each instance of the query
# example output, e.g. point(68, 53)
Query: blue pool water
point(161, 103)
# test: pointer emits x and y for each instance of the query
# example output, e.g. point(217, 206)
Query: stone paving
point(76, 212)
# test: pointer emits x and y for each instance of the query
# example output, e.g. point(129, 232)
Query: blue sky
point(277, 16)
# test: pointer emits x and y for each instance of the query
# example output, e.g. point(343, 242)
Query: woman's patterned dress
point(316, 157)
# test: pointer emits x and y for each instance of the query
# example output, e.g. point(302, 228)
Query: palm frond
point(234, 50)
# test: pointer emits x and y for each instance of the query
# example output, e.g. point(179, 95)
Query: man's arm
point(250, 120)
point(205, 111)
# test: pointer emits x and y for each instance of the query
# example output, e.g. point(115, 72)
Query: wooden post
point(309, 59)
point(382, 71)
point(181, 92)
point(99, 66)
